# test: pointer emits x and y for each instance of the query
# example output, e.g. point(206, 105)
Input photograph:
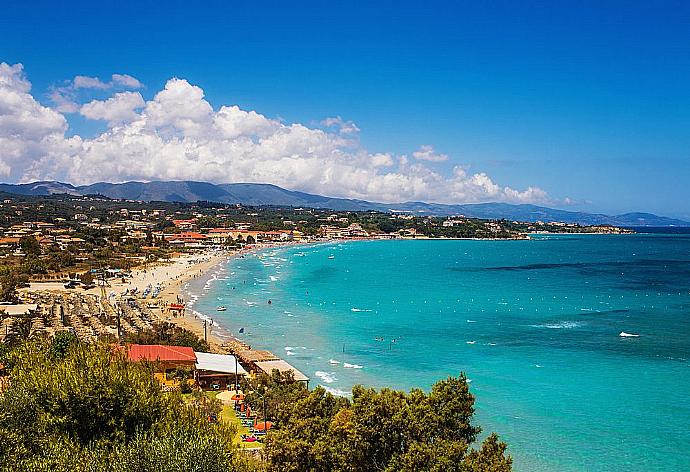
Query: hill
point(267, 194)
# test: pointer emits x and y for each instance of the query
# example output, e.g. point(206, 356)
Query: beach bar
point(168, 360)
point(217, 371)
point(283, 367)
point(258, 361)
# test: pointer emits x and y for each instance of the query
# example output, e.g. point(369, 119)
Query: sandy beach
point(217, 337)
point(169, 276)
point(171, 279)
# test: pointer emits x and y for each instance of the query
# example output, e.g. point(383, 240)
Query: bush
point(73, 406)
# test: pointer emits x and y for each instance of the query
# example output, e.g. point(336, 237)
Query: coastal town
point(81, 262)
point(106, 270)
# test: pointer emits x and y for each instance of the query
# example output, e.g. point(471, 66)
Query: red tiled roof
point(157, 352)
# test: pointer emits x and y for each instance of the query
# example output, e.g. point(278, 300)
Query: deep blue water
point(534, 324)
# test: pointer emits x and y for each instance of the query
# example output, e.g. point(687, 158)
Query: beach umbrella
point(260, 425)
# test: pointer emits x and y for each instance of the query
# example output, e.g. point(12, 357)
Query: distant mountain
point(158, 191)
point(266, 194)
point(40, 188)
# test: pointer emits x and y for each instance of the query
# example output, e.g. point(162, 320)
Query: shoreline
point(171, 277)
point(218, 337)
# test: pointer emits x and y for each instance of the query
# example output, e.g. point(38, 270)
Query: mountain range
point(267, 194)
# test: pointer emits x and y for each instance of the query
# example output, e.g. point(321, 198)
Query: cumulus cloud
point(126, 81)
point(340, 125)
point(28, 130)
point(65, 97)
point(84, 82)
point(119, 108)
point(427, 153)
point(179, 135)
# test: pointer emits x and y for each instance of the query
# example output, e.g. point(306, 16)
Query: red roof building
point(159, 353)
point(185, 224)
point(167, 360)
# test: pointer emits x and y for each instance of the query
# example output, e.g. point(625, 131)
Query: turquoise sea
point(534, 324)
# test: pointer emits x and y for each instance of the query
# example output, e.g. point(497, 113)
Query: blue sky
point(589, 101)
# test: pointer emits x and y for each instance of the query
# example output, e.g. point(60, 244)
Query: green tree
point(30, 246)
point(8, 288)
point(33, 265)
point(73, 406)
point(86, 278)
point(61, 343)
point(168, 334)
point(385, 430)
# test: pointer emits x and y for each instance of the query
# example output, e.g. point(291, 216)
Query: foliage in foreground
point(384, 430)
point(168, 334)
point(78, 407)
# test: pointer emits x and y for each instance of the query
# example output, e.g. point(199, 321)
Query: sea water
point(535, 325)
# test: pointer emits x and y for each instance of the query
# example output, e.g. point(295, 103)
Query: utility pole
point(118, 322)
point(205, 336)
point(264, 397)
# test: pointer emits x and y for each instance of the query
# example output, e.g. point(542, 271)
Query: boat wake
point(561, 325)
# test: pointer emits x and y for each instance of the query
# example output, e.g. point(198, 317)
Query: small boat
point(628, 335)
point(331, 257)
point(221, 308)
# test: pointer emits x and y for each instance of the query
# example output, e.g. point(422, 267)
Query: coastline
point(218, 337)
point(189, 320)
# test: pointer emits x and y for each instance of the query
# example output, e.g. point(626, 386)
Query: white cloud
point(178, 135)
point(84, 82)
point(63, 101)
point(126, 81)
point(427, 153)
point(179, 108)
point(119, 108)
point(342, 126)
point(66, 97)
point(28, 130)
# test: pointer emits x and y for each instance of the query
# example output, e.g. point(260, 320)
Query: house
point(167, 359)
point(188, 239)
point(260, 361)
point(267, 367)
point(217, 371)
point(355, 230)
point(9, 242)
point(219, 235)
point(185, 224)
point(331, 232)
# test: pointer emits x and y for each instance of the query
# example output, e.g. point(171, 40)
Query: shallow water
point(534, 324)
